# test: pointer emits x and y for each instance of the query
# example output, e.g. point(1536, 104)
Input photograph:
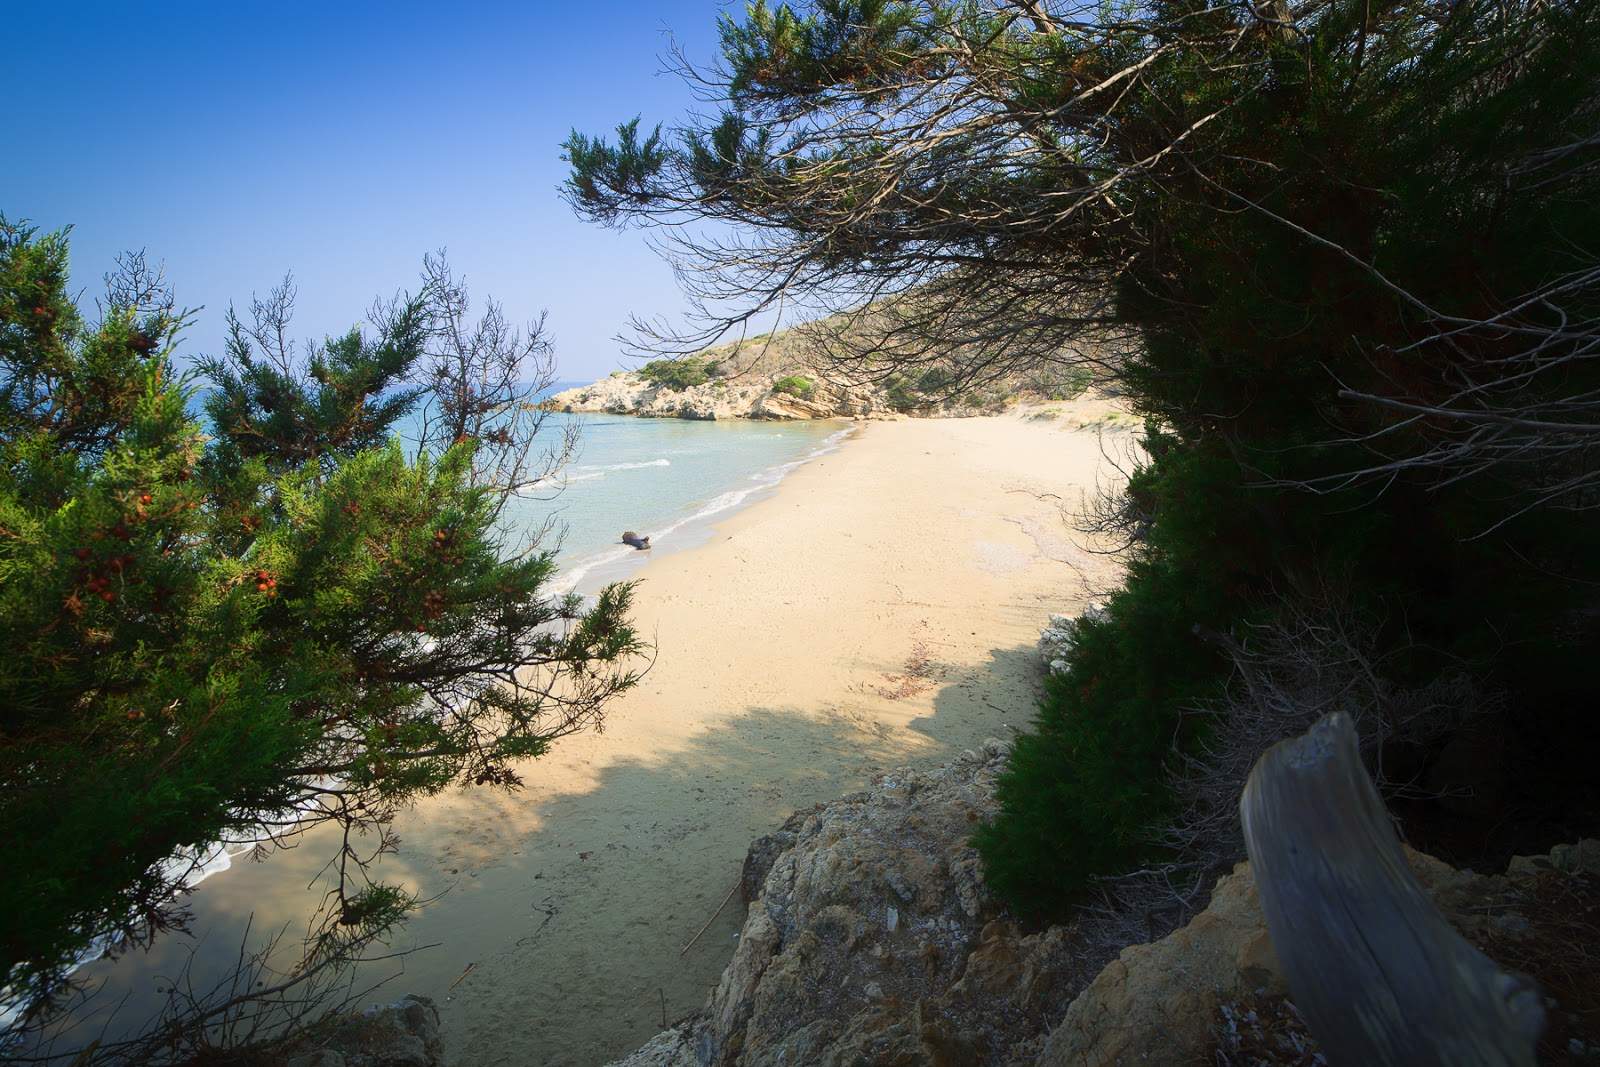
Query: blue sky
point(236, 141)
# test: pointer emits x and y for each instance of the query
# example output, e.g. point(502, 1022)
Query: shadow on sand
point(572, 922)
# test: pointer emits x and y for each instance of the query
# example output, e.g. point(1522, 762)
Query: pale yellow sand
point(880, 610)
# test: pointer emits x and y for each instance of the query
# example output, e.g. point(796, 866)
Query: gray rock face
point(870, 938)
point(764, 852)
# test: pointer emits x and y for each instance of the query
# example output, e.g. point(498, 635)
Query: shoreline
point(879, 608)
point(586, 574)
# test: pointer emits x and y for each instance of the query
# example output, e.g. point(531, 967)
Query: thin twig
point(470, 968)
point(711, 920)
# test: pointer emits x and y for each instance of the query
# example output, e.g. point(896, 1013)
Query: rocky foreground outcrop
point(872, 939)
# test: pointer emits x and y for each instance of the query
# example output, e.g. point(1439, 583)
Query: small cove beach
point(879, 609)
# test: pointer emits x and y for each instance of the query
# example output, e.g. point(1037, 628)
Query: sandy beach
point(880, 610)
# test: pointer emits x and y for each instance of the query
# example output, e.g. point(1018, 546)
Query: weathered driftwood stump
point(1379, 975)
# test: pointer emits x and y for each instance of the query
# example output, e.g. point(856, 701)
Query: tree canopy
point(289, 618)
point(1339, 254)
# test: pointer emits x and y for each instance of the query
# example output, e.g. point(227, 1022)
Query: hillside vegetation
point(796, 373)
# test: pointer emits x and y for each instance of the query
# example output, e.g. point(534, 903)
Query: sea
point(672, 480)
point(668, 479)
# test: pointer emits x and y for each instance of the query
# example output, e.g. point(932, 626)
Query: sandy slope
point(880, 610)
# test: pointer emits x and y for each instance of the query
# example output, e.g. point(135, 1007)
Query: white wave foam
point(584, 474)
point(573, 572)
point(579, 473)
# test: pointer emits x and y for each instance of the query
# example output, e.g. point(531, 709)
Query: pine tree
point(289, 618)
point(1341, 255)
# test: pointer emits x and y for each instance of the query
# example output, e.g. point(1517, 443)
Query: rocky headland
point(787, 375)
point(749, 396)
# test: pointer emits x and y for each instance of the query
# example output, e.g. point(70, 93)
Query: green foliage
point(607, 177)
point(776, 54)
point(1277, 214)
point(920, 388)
point(676, 374)
point(901, 394)
point(934, 380)
point(795, 386)
point(291, 418)
point(206, 630)
point(1082, 790)
point(1053, 382)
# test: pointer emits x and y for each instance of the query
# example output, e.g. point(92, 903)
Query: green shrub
point(1059, 383)
point(933, 380)
point(1082, 791)
point(901, 395)
point(795, 386)
point(675, 373)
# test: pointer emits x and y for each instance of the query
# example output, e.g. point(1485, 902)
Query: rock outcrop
point(1057, 639)
point(749, 396)
point(1158, 1003)
point(871, 938)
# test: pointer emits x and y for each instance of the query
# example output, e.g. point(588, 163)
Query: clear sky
point(341, 140)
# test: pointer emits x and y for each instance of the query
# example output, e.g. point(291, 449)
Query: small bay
point(668, 479)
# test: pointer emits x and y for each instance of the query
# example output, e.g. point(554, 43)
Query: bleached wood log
point(1378, 973)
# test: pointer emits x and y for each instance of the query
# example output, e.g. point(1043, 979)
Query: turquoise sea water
point(669, 479)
